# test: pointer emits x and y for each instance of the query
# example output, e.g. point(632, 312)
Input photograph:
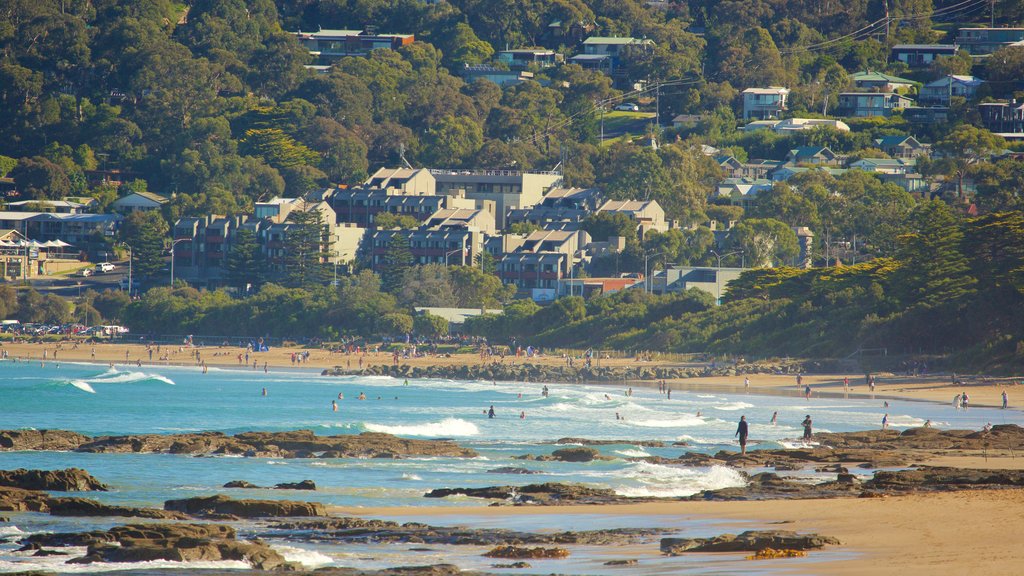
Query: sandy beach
point(968, 532)
point(934, 388)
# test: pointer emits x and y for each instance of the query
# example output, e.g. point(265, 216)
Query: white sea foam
point(633, 453)
point(82, 385)
point(408, 476)
point(444, 428)
point(667, 481)
point(11, 530)
point(682, 421)
point(114, 376)
point(308, 558)
point(729, 406)
point(21, 562)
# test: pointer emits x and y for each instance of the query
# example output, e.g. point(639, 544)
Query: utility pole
point(886, 19)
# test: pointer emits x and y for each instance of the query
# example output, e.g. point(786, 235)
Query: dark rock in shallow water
point(21, 500)
point(512, 470)
point(588, 442)
point(67, 480)
point(750, 541)
point(304, 485)
point(58, 440)
point(241, 484)
point(530, 553)
point(220, 504)
point(580, 454)
point(86, 507)
point(547, 493)
point(629, 562)
point(513, 565)
point(928, 477)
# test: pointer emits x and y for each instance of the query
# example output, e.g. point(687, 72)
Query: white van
point(104, 267)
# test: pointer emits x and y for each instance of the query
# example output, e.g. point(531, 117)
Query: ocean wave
point(16, 562)
point(114, 376)
point(729, 406)
point(444, 428)
point(409, 476)
point(677, 422)
point(669, 481)
point(633, 453)
point(308, 558)
point(11, 530)
point(82, 385)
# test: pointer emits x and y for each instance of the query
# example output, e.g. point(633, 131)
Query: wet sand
point(969, 532)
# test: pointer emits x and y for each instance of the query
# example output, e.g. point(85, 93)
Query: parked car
point(628, 107)
point(104, 267)
point(85, 272)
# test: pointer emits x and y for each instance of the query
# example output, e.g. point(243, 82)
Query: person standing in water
point(490, 413)
point(741, 431)
point(885, 422)
point(807, 428)
point(334, 405)
point(775, 417)
point(264, 391)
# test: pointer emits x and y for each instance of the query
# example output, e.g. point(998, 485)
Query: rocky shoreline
point(530, 372)
point(294, 444)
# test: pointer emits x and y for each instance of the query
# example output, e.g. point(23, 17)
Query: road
point(71, 286)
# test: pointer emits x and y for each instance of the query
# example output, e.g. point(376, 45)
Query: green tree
point(428, 325)
point(461, 46)
point(145, 232)
point(933, 270)
point(306, 249)
point(395, 324)
point(398, 260)
point(389, 221)
point(604, 225)
point(452, 142)
point(245, 263)
point(475, 288)
point(765, 241)
point(6, 165)
point(40, 178)
point(427, 285)
point(965, 146)
point(1005, 67)
point(110, 304)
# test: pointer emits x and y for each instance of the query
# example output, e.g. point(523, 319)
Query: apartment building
point(764, 103)
point(507, 189)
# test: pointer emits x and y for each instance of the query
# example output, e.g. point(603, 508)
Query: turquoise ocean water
point(97, 400)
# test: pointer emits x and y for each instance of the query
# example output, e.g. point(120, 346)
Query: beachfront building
point(453, 237)
point(21, 257)
point(561, 209)
point(764, 103)
point(201, 245)
point(66, 206)
point(1003, 118)
point(507, 189)
point(541, 260)
point(139, 201)
point(648, 214)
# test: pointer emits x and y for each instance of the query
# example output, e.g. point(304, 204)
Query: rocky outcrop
point(21, 500)
point(1004, 436)
point(511, 470)
point(224, 505)
point(518, 553)
point(941, 478)
point(67, 480)
point(304, 485)
point(56, 440)
point(547, 493)
point(574, 454)
point(86, 507)
point(360, 530)
point(173, 542)
point(589, 442)
point(293, 444)
point(750, 541)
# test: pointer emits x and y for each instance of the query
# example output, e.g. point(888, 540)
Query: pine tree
point(397, 260)
point(306, 249)
point(934, 271)
point(245, 263)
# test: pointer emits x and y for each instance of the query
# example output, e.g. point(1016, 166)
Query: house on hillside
point(607, 52)
point(648, 214)
point(901, 146)
point(880, 165)
point(527, 58)
point(812, 155)
point(938, 92)
point(327, 46)
point(1003, 118)
point(139, 202)
point(921, 55)
point(764, 103)
point(879, 82)
point(504, 78)
point(866, 104)
point(984, 41)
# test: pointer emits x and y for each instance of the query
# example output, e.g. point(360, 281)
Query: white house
point(139, 201)
point(764, 103)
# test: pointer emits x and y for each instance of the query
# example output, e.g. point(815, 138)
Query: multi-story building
point(449, 236)
point(543, 258)
point(201, 245)
point(877, 81)
point(527, 58)
point(507, 189)
point(559, 207)
point(764, 103)
point(865, 104)
point(330, 45)
point(500, 76)
point(139, 201)
point(1004, 118)
point(903, 147)
point(984, 41)
point(648, 214)
point(605, 53)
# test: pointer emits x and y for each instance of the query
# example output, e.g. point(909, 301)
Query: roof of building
point(54, 203)
point(895, 162)
point(618, 40)
point(768, 90)
point(5, 215)
point(925, 47)
point(626, 205)
point(962, 79)
point(151, 196)
point(454, 216)
point(895, 140)
point(871, 76)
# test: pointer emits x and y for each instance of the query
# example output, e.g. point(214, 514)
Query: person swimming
point(361, 396)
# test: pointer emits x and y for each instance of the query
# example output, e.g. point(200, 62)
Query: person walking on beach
point(846, 382)
point(1004, 399)
point(490, 413)
point(807, 428)
point(741, 431)
point(775, 417)
point(799, 380)
point(956, 401)
point(964, 400)
point(885, 422)
point(746, 382)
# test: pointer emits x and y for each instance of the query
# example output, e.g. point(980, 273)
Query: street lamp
point(173, 244)
point(130, 251)
point(447, 254)
point(647, 273)
point(718, 274)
